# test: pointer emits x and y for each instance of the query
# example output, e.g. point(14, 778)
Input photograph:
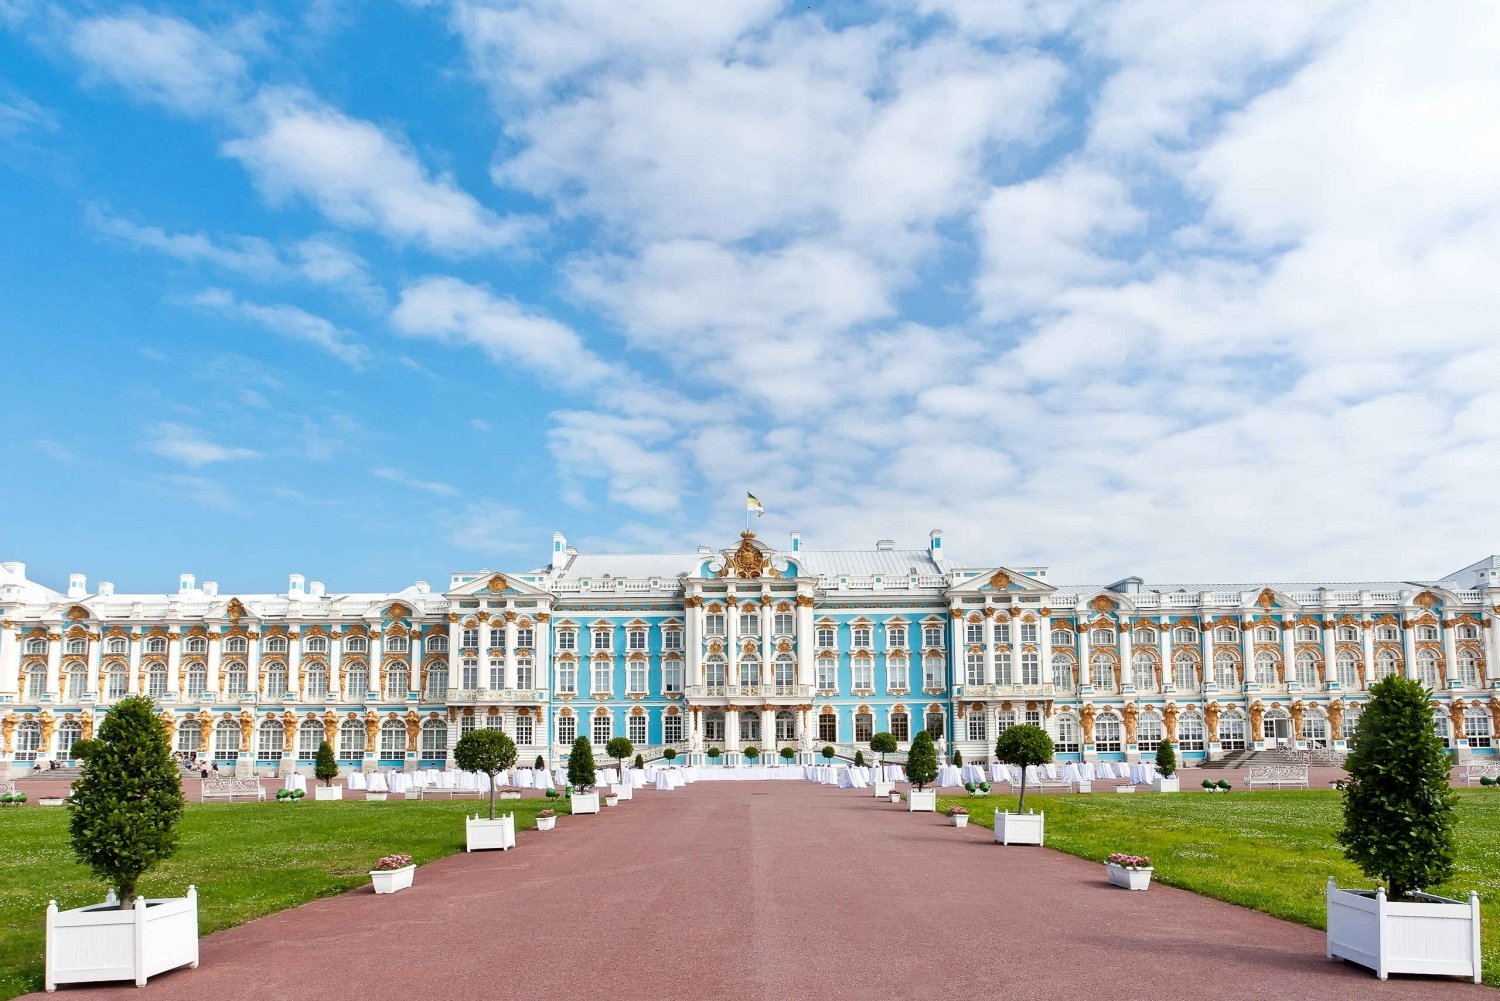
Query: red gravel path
point(770, 890)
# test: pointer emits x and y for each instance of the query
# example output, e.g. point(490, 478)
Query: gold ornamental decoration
point(1102, 604)
point(1266, 599)
point(1000, 580)
point(235, 610)
point(746, 561)
point(1426, 599)
point(496, 583)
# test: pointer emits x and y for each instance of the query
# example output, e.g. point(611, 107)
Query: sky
point(379, 291)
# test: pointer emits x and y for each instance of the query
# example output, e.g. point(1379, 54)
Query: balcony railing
point(744, 691)
point(1005, 691)
point(509, 696)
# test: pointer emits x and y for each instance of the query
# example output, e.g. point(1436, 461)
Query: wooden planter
point(325, 793)
point(921, 801)
point(1019, 828)
point(1431, 935)
point(483, 833)
point(101, 942)
point(584, 802)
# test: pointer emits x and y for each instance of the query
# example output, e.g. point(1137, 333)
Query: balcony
point(1005, 691)
point(749, 691)
point(506, 696)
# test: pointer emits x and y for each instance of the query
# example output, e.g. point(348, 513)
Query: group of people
point(190, 761)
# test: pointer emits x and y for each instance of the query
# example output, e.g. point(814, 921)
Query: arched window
point(1190, 736)
point(36, 645)
point(315, 680)
point(1468, 669)
point(1062, 637)
point(1350, 723)
point(785, 673)
point(275, 679)
point(1428, 671)
point(117, 644)
point(116, 681)
point(392, 740)
point(435, 740)
point(275, 644)
point(69, 732)
point(1315, 731)
point(1102, 672)
point(1348, 668)
point(1265, 668)
point(351, 740)
point(197, 680)
point(1226, 634)
point(786, 726)
point(438, 643)
point(1063, 674)
point(397, 644)
point(1185, 671)
point(1226, 673)
point(76, 647)
point(28, 740)
point(1184, 634)
point(397, 679)
point(1232, 732)
point(236, 644)
point(226, 740)
point(156, 644)
point(309, 736)
point(156, 679)
point(356, 682)
point(356, 644)
point(315, 644)
point(750, 672)
point(714, 674)
point(271, 741)
point(900, 725)
point(1267, 634)
point(1149, 732)
point(1307, 669)
point(235, 678)
point(1308, 634)
point(36, 682)
point(195, 644)
point(1477, 727)
point(436, 684)
point(1144, 637)
point(1143, 673)
point(76, 680)
point(1108, 735)
point(1102, 637)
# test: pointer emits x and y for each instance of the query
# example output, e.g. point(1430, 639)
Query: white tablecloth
point(376, 783)
point(949, 776)
point(295, 782)
point(355, 780)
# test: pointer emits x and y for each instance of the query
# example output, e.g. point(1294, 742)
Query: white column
point(693, 614)
point(1492, 648)
point(133, 671)
point(1044, 645)
point(1367, 642)
point(336, 663)
point(294, 664)
point(95, 656)
point(455, 633)
point(731, 729)
point(1450, 653)
point(174, 665)
point(10, 661)
point(732, 638)
point(1085, 670)
point(1247, 651)
point(1127, 651)
point(416, 652)
point(214, 654)
point(252, 664)
point(1330, 655)
point(988, 626)
point(1164, 656)
point(541, 657)
point(1206, 637)
point(486, 664)
point(804, 641)
point(1408, 648)
point(767, 736)
point(956, 651)
point(375, 671)
point(510, 651)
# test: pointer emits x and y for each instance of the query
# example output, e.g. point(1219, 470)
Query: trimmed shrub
point(1224, 784)
point(325, 768)
point(1398, 809)
point(487, 751)
point(670, 754)
point(970, 787)
point(921, 761)
point(859, 759)
point(1166, 759)
point(752, 752)
point(581, 765)
point(126, 804)
point(1208, 783)
point(1484, 780)
point(714, 752)
point(958, 758)
point(1024, 746)
point(883, 743)
point(640, 762)
point(828, 752)
point(619, 748)
point(540, 763)
point(787, 754)
point(552, 793)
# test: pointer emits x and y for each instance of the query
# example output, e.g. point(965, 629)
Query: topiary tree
point(326, 767)
point(127, 802)
point(640, 762)
point(859, 759)
point(883, 743)
point(752, 752)
point(922, 761)
point(787, 754)
point(1025, 746)
point(487, 751)
point(541, 763)
point(958, 758)
point(670, 754)
point(1166, 759)
point(1398, 809)
point(828, 752)
point(714, 752)
point(619, 748)
point(581, 765)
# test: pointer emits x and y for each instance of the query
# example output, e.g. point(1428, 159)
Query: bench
point(1476, 770)
point(1276, 776)
point(433, 792)
point(233, 789)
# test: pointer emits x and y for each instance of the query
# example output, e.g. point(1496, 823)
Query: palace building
point(746, 646)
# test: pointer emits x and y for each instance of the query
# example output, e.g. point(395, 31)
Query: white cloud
point(190, 447)
point(199, 490)
point(241, 254)
point(451, 310)
point(486, 527)
point(161, 59)
point(290, 322)
point(324, 260)
point(622, 452)
point(393, 475)
point(358, 175)
point(20, 115)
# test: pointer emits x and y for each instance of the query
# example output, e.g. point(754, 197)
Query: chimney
point(796, 542)
point(106, 589)
point(294, 584)
point(885, 545)
point(186, 582)
point(78, 585)
point(935, 543)
point(559, 545)
point(315, 589)
point(211, 588)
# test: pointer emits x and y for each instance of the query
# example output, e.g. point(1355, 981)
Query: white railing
point(742, 691)
point(508, 696)
point(999, 691)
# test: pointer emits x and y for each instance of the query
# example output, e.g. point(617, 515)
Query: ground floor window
point(749, 727)
point(901, 726)
point(525, 732)
point(271, 741)
point(435, 740)
point(68, 734)
point(392, 739)
point(635, 729)
point(351, 740)
point(1232, 733)
point(567, 729)
point(934, 723)
point(974, 723)
point(1149, 732)
point(227, 741)
point(864, 727)
point(28, 740)
point(603, 729)
point(1066, 741)
point(1190, 733)
point(309, 736)
point(713, 727)
point(786, 727)
point(1477, 728)
point(1315, 731)
point(1107, 735)
point(187, 738)
point(671, 729)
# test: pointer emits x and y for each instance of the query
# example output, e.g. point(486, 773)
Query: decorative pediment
point(748, 560)
point(1002, 579)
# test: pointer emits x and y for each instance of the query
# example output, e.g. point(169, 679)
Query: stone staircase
point(1276, 756)
point(60, 774)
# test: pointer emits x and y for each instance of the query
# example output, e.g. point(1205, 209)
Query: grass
point(1271, 851)
point(247, 860)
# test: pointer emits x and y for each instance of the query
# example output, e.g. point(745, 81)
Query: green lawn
point(1272, 851)
point(248, 860)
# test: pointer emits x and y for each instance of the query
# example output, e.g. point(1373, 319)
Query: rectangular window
point(567, 729)
point(497, 638)
point(977, 729)
point(497, 677)
point(525, 733)
point(603, 729)
point(271, 743)
point(781, 625)
point(671, 639)
point(671, 676)
point(671, 729)
point(308, 739)
point(1028, 632)
point(603, 640)
point(1107, 735)
point(828, 675)
point(599, 683)
point(932, 672)
point(825, 637)
point(861, 637)
point(526, 638)
point(567, 639)
point(635, 674)
point(932, 636)
point(864, 674)
point(635, 639)
point(974, 632)
point(469, 639)
point(895, 636)
point(974, 668)
point(469, 674)
point(567, 678)
point(713, 624)
point(524, 680)
point(635, 729)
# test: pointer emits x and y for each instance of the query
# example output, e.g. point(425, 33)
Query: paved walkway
point(770, 890)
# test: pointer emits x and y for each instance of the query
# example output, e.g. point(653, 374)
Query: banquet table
point(973, 773)
point(376, 783)
point(949, 775)
point(296, 782)
point(355, 781)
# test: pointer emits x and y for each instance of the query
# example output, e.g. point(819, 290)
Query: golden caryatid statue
point(747, 560)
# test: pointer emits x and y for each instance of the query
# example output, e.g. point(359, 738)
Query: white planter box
point(375, 797)
point(325, 793)
point(1019, 828)
point(508, 795)
point(1436, 936)
point(610, 799)
point(485, 833)
point(391, 880)
point(546, 823)
point(895, 796)
point(99, 943)
point(50, 801)
point(584, 802)
point(921, 801)
point(1085, 785)
point(1160, 784)
point(962, 820)
point(1131, 879)
point(621, 790)
point(882, 789)
point(1124, 788)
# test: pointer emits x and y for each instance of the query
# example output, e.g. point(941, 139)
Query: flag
point(752, 503)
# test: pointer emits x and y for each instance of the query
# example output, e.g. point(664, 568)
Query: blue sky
point(373, 292)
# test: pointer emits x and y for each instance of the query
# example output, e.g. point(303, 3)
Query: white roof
point(597, 565)
point(868, 562)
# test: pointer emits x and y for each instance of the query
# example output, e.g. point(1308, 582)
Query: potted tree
point(751, 754)
point(713, 755)
point(921, 769)
point(584, 798)
point(828, 752)
point(619, 748)
point(540, 764)
point(490, 752)
point(640, 762)
point(123, 821)
point(859, 759)
point(1166, 767)
point(1398, 828)
point(882, 743)
point(670, 754)
point(1023, 746)
point(325, 770)
point(787, 754)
